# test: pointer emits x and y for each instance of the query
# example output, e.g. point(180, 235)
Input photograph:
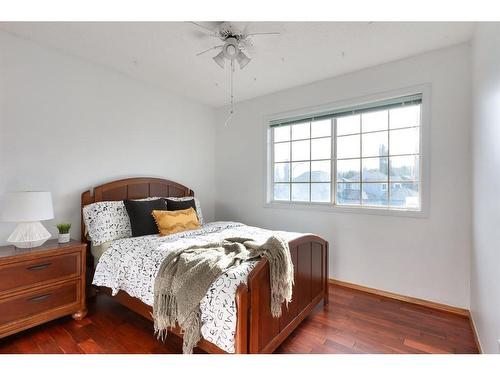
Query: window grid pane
point(356, 166)
point(296, 177)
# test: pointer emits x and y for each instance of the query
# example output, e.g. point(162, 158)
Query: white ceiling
point(164, 53)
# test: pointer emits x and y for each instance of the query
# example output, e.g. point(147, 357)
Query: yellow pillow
point(169, 222)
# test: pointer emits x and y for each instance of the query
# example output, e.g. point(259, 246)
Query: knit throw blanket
point(185, 276)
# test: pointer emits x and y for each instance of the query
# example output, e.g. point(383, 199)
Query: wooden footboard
point(265, 333)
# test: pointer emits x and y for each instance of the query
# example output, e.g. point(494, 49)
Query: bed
point(256, 330)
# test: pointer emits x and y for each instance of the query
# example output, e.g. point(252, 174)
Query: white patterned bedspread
point(131, 265)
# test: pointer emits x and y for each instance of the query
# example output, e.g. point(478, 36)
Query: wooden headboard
point(133, 188)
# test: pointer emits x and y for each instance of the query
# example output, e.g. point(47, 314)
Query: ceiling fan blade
point(247, 46)
point(199, 34)
point(209, 49)
point(270, 33)
point(204, 28)
point(202, 31)
point(244, 32)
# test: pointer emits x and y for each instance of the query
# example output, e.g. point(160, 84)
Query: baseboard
point(416, 301)
point(475, 334)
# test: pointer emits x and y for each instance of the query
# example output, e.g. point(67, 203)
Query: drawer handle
point(39, 267)
point(41, 298)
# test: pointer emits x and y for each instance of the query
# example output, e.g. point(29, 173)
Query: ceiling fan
point(236, 46)
point(236, 43)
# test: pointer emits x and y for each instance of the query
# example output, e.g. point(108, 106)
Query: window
point(367, 156)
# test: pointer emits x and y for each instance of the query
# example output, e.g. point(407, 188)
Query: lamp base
point(28, 235)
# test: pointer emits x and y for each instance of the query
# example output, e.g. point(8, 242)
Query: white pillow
point(106, 221)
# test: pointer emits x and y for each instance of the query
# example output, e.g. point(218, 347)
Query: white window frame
point(424, 152)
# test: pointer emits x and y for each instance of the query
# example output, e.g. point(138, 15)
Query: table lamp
point(27, 208)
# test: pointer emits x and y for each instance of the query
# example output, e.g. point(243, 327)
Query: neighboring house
point(377, 193)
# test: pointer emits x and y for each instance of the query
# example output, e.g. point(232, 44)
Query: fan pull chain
point(231, 111)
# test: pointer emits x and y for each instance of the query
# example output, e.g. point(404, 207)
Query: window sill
point(328, 207)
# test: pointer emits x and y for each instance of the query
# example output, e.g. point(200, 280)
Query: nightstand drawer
point(25, 274)
point(28, 305)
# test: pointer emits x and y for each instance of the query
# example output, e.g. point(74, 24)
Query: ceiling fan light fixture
point(234, 42)
point(219, 59)
point(231, 48)
point(243, 59)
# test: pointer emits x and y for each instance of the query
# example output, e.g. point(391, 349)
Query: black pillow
point(180, 205)
point(141, 217)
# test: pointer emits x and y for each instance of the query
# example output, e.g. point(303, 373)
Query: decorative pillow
point(139, 212)
point(170, 222)
point(180, 205)
point(197, 204)
point(106, 221)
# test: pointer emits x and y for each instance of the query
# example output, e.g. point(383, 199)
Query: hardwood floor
point(354, 322)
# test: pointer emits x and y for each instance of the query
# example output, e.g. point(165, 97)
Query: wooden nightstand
point(41, 284)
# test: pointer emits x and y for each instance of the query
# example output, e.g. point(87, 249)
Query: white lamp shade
point(26, 206)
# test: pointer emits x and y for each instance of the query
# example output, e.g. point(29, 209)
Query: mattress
point(131, 265)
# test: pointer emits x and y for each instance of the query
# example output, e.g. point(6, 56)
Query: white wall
point(66, 125)
point(421, 257)
point(485, 269)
